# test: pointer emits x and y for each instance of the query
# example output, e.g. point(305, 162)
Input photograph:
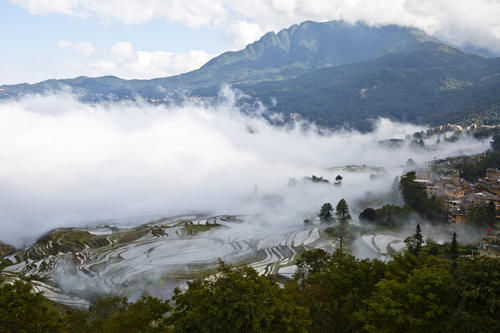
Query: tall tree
point(418, 238)
point(325, 213)
point(414, 242)
point(342, 211)
point(454, 252)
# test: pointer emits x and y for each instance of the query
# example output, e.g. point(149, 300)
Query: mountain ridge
point(288, 53)
point(326, 72)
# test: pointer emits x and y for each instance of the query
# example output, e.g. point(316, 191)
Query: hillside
point(433, 84)
point(276, 56)
point(332, 73)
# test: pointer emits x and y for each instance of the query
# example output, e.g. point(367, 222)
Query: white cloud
point(126, 62)
point(65, 163)
point(123, 50)
point(85, 48)
point(474, 22)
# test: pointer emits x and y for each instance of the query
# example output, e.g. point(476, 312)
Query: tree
point(414, 243)
point(454, 252)
point(478, 284)
point(24, 310)
point(392, 215)
point(481, 215)
point(325, 213)
point(368, 214)
point(492, 213)
point(415, 196)
point(495, 143)
point(342, 211)
point(116, 314)
point(312, 261)
point(339, 178)
point(341, 234)
point(337, 290)
point(418, 238)
point(424, 302)
point(237, 299)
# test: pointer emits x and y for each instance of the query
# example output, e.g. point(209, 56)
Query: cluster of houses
point(459, 194)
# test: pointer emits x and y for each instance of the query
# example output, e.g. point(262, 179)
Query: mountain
point(333, 73)
point(434, 83)
point(287, 54)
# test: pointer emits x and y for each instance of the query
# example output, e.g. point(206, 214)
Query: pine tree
point(325, 214)
point(454, 252)
point(342, 211)
point(419, 239)
point(414, 242)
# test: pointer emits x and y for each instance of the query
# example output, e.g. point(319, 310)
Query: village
point(460, 197)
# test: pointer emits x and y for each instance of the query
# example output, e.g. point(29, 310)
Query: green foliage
point(414, 243)
point(388, 215)
point(473, 170)
point(319, 179)
point(23, 310)
point(415, 196)
point(368, 215)
point(237, 299)
point(312, 261)
point(115, 315)
point(478, 287)
point(495, 143)
point(403, 86)
point(325, 213)
point(335, 290)
point(342, 211)
point(423, 302)
point(330, 293)
point(481, 215)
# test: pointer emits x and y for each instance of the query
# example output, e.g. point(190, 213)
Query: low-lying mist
point(65, 163)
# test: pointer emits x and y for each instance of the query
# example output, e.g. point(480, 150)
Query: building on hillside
point(490, 246)
point(456, 212)
point(492, 173)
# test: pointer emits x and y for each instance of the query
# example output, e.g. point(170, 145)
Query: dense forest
point(433, 288)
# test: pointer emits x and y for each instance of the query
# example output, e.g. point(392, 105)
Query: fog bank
point(64, 163)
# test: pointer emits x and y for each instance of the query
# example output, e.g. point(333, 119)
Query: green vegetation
point(6, 249)
point(325, 213)
point(193, 229)
point(237, 299)
point(481, 215)
point(402, 86)
point(115, 314)
point(342, 211)
point(414, 243)
point(416, 201)
point(23, 310)
point(133, 235)
point(388, 215)
point(441, 289)
point(473, 169)
point(319, 179)
point(415, 197)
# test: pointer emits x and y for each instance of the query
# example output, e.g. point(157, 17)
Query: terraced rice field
point(68, 264)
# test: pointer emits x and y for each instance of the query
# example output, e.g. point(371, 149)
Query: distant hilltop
point(332, 73)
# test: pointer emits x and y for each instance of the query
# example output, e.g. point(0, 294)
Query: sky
point(44, 39)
